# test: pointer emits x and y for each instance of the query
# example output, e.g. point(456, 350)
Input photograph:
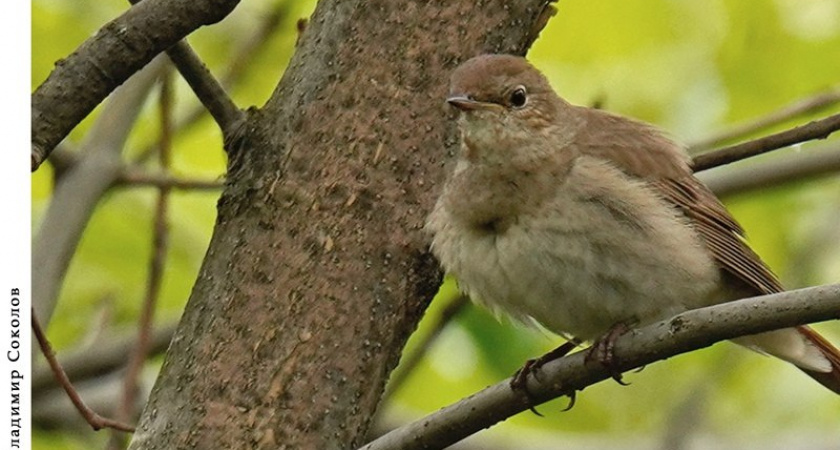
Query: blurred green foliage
point(690, 67)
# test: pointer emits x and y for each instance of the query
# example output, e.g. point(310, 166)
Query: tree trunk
point(318, 268)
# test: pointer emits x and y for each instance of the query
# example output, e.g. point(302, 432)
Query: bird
point(587, 222)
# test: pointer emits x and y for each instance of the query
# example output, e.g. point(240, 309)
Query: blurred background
point(696, 69)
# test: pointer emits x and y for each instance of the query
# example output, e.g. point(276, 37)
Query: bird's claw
point(572, 398)
point(519, 382)
point(603, 351)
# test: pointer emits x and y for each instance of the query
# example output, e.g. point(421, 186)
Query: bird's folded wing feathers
point(722, 234)
point(642, 151)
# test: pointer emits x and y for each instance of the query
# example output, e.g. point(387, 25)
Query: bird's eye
point(518, 98)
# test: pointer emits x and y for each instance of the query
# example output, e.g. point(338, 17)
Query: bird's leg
point(602, 350)
point(533, 365)
point(520, 378)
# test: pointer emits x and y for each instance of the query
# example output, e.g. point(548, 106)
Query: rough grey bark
point(318, 268)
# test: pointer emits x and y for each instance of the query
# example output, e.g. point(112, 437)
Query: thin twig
point(793, 168)
point(243, 55)
point(818, 129)
point(208, 90)
point(685, 332)
point(159, 246)
point(106, 354)
point(136, 178)
point(96, 421)
point(799, 108)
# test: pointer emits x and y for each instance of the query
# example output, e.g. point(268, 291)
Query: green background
point(690, 67)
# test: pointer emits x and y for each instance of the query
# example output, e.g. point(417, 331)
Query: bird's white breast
point(603, 250)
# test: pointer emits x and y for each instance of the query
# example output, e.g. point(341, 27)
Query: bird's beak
point(467, 104)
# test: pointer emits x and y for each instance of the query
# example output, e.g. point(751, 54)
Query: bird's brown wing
point(642, 151)
point(724, 238)
point(722, 234)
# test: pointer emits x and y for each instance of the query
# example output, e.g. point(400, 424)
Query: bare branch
point(796, 167)
point(206, 88)
point(818, 129)
point(212, 93)
point(242, 56)
point(301, 25)
point(136, 178)
point(796, 109)
point(95, 420)
point(53, 409)
point(105, 355)
point(75, 198)
point(685, 332)
point(159, 244)
point(119, 49)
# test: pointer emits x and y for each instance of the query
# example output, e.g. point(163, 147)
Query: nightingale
point(582, 220)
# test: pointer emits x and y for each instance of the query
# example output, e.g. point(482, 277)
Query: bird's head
point(503, 100)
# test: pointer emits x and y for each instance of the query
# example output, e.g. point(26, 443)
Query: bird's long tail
point(830, 379)
point(803, 347)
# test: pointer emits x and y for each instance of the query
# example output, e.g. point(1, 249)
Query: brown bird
point(584, 221)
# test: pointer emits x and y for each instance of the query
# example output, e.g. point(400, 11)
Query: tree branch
point(234, 72)
point(685, 332)
point(53, 410)
point(120, 48)
point(96, 421)
point(130, 178)
point(75, 197)
point(160, 239)
point(208, 90)
point(818, 129)
point(798, 108)
point(107, 354)
point(796, 167)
